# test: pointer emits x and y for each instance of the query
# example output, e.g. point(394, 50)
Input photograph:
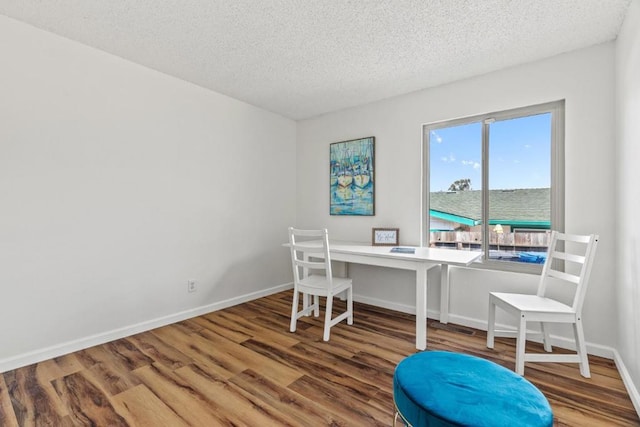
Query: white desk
point(420, 262)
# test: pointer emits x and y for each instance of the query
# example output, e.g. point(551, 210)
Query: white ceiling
point(303, 58)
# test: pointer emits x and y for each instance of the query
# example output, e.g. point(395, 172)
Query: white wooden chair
point(570, 265)
point(312, 276)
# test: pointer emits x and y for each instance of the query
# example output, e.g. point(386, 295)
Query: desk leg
point(421, 308)
point(444, 293)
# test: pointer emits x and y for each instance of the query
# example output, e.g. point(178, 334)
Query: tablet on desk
point(401, 250)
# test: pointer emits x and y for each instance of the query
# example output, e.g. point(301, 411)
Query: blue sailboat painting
point(351, 177)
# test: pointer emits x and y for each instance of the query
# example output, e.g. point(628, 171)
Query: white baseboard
point(628, 382)
point(40, 355)
point(403, 308)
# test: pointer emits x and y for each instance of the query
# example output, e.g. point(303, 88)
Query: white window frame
point(556, 108)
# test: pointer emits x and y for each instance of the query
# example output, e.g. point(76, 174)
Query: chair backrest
point(310, 253)
point(569, 259)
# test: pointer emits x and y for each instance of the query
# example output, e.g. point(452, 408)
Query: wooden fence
point(516, 240)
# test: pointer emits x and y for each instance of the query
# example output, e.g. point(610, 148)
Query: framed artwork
point(351, 171)
point(385, 236)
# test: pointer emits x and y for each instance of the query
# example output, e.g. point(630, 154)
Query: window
point(495, 183)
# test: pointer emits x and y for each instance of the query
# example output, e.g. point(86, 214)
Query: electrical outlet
point(191, 285)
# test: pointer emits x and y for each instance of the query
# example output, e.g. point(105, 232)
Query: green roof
point(526, 207)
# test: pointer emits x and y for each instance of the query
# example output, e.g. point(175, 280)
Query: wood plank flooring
point(241, 367)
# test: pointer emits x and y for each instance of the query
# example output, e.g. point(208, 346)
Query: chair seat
point(532, 303)
point(317, 285)
point(438, 388)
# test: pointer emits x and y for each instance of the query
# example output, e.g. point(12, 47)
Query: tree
point(461, 185)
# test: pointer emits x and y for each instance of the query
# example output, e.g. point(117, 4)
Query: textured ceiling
point(303, 58)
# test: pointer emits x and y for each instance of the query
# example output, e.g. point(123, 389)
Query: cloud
point(436, 137)
point(471, 163)
point(448, 159)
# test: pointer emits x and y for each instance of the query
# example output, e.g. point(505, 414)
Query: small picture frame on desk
point(385, 236)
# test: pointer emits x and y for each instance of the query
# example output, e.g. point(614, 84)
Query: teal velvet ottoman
point(439, 388)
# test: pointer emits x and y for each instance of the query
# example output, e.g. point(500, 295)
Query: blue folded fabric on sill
point(532, 257)
point(437, 389)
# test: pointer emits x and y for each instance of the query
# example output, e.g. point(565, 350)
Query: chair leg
point(521, 342)
point(545, 338)
point(307, 301)
point(327, 317)
point(581, 348)
point(294, 310)
point(350, 306)
point(491, 323)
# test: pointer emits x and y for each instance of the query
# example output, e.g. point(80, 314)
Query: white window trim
point(556, 108)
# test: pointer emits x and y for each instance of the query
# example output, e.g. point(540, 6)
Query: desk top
point(422, 254)
point(435, 255)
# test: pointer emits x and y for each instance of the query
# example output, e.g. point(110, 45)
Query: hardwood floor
point(240, 366)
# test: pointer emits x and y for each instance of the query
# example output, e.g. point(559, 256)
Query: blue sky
point(519, 153)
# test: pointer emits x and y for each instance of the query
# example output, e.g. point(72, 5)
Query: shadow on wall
point(254, 273)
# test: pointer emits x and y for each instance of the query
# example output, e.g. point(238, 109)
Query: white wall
point(628, 204)
point(584, 78)
point(117, 185)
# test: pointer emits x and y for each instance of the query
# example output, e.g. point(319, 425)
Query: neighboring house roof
point(526, 207)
